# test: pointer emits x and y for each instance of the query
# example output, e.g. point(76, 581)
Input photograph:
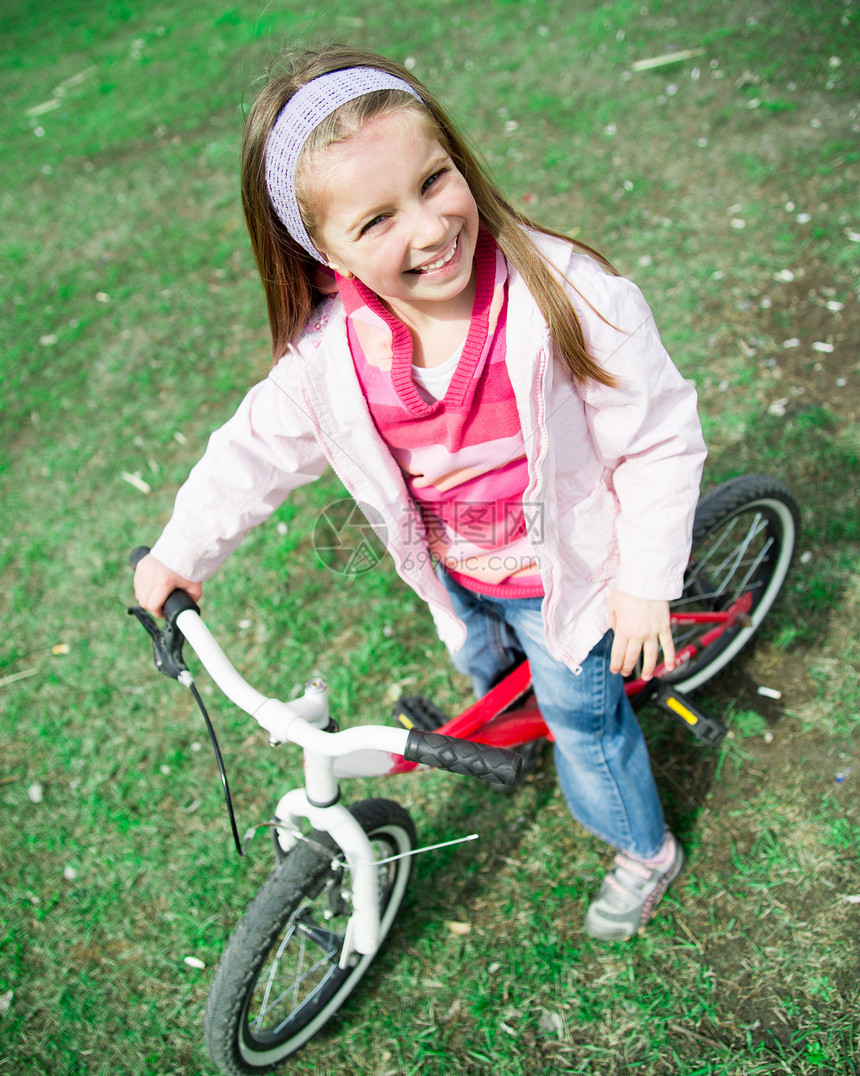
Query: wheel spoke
point(703, 562)
point(270, 976)
point(301, 932)
point(299, 978)
point(743, 540)
point(734, 562)
point(294, 989)
point(728, 568)
point(325, 939)
point(756, 564)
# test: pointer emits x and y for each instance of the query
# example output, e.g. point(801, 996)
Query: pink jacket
point(613, 473)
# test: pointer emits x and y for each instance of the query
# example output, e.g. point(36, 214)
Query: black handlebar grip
point(177, 601)
point(464, 757)
point(137, 554)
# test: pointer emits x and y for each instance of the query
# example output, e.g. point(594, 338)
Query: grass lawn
point(725, 185)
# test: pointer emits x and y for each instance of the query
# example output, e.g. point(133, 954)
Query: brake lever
point(166, 644)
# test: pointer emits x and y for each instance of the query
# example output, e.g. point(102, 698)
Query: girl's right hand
point(153, 582)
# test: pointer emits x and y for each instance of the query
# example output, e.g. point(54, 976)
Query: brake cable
point(167, 653)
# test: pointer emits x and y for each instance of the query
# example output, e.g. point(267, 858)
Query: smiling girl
point(493, 395)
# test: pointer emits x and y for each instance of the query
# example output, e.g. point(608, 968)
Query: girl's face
point(392, 210)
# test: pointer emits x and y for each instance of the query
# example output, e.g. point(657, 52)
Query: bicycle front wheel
point(744, 536)
point(279, 980)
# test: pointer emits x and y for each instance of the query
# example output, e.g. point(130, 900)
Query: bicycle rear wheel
point(279, 980)
point(744, 537)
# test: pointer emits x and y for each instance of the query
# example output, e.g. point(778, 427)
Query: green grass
point(134, 323)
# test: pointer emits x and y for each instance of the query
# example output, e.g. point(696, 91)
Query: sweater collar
point(358, 298)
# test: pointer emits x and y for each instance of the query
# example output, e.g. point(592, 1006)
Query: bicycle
point(320, 919)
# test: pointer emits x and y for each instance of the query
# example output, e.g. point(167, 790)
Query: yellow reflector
point(682, 711)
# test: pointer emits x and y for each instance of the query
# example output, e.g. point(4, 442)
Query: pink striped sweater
point(462, 456)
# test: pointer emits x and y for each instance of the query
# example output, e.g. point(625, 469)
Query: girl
point(491, 393)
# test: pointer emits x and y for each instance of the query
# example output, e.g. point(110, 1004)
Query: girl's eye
point(428, 183)
point(372, 224)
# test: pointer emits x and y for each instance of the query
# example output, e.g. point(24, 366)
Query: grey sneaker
point(629, 895)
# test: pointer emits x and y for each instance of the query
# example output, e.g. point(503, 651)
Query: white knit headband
point(301, 115)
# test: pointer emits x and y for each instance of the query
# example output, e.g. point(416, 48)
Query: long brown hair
point(288, 272)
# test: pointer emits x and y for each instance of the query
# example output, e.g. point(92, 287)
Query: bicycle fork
point(362, 935)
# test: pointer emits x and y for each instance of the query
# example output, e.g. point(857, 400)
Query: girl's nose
point(429, 228)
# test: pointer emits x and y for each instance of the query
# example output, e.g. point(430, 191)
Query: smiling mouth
point(440, 262)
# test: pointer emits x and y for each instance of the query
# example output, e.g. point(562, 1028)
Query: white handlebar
point(300, 722)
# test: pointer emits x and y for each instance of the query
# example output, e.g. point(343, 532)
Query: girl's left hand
point(641, 625)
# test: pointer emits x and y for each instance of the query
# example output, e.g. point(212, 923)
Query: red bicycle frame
point(495, 719)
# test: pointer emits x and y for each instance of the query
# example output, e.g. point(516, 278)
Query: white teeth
point(442, 261)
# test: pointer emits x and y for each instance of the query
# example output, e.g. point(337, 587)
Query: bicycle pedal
point(692, 717)
point(416, 712)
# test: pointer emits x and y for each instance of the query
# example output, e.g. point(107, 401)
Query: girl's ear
point(345, 273)
point(323, 280)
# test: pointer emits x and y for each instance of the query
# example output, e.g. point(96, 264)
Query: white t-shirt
point(432, 382)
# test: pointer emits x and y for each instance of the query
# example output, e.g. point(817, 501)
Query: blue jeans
point(600, 753)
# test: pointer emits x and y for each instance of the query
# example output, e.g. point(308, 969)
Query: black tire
point(744, 537)
point(287, 946)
